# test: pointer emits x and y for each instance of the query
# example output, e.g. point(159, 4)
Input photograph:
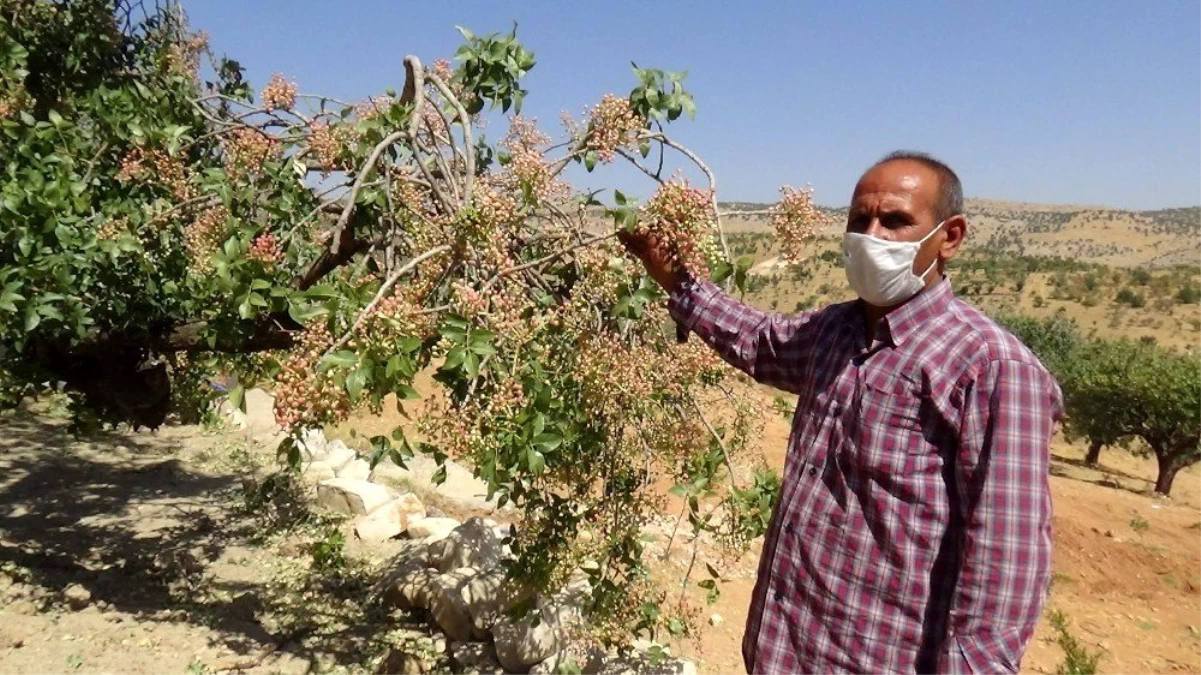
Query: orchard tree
point(1165, 398)
point(161, 227)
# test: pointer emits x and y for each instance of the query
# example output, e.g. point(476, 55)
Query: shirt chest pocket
point(884, 426)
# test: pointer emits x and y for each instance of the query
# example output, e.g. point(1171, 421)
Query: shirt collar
point(921, 310)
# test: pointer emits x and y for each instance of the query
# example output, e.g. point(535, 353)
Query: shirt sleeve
point(768, 347)
point(1005, 506)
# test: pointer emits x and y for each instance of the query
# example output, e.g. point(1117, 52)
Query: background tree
point(164, 224)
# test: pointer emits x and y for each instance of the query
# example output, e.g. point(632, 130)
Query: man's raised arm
point(768, 347)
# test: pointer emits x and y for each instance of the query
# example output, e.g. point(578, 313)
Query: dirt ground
point(131, 553)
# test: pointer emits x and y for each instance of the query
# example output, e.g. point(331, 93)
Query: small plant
point(1139, 524)
point(198, 667)
point(75, 662)
point(327, 551)
point(1077, 659)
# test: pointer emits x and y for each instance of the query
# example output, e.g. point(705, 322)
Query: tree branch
point(465, 123)
point(382, 292)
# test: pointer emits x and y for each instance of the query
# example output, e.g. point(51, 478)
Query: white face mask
point(881, 271)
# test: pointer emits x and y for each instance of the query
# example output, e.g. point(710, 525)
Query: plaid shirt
point(913, 530)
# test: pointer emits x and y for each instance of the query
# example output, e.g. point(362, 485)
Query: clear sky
point(1083, 102)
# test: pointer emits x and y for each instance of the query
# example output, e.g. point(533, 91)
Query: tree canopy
point(165, 224)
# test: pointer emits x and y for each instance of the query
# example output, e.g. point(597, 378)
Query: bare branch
point(725, 453)
point(545, 259)
point(468, 144)
point(642, 167)
point(383, 291)
point(344, 219)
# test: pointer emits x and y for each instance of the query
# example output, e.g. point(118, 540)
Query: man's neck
point(872, 314)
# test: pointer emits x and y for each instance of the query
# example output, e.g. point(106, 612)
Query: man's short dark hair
point(950, 191)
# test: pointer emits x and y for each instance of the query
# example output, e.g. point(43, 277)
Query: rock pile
point(456, 571)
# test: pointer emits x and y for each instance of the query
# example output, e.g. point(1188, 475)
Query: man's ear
point(956, 231)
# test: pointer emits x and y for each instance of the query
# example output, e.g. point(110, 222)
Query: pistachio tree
point(164, 223)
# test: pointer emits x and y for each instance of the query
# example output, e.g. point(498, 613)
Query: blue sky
point(1085, 102)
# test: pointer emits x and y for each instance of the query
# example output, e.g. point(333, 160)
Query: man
point(913, 530)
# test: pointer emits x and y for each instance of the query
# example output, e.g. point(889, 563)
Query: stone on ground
point(77, 597)
point(408, 585)
point(447, 606)
point(318, 471)
point(460, 486)
point(389, 520)
point(488, 596)
point(520, 644)
point(356, 468)
point(260, 414)
point(473, 544)
point(474, 658)
point(431, 529)
point(400, 660)
point(337, 454)
point(351, 496)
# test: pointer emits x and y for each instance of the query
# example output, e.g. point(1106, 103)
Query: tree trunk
point(1167, 473)
point(1094, 453)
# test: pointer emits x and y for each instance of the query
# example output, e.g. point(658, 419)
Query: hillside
point(1115, 237)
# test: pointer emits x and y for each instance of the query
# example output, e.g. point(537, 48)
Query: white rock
point(260, 413)
point(472, 544)
point(474, 658)
point(337, 455)
point(412, 508)
point(350, 496)
point(389, 520)
point(77, 596)
point(431, 529)
point(488, 596)
point(715, 620)
point(520, 644)
point(447, 606)
point(460, 486)
point(409, 585)
point(356, 468)
point(313, 444)
point(318, 471)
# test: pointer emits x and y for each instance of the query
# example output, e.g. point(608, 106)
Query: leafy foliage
point(166, 231)
point(1119, 390)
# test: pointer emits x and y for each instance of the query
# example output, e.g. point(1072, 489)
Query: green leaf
point(343, 358)
point(721, 271)
point(619, 198)
point(537, 462)
point(407, 393)
point(356, 382)
point(301, 313)
point(237, 397)
point(547, 441)
point(590, 159)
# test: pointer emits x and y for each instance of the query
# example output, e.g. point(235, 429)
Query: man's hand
point(666, 271)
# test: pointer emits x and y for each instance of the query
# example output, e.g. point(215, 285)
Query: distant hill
point(1158, 238)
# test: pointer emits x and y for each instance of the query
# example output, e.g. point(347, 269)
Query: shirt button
point(788, 528)
point(813, 471)
point(779, 595)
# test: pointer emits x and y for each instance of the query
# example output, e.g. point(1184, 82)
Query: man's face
point(896, 202)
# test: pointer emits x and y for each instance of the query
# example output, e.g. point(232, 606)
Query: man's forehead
point(897, 182)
